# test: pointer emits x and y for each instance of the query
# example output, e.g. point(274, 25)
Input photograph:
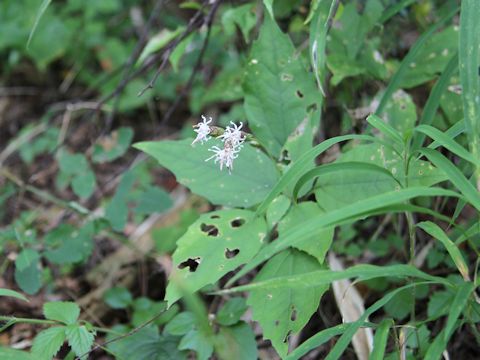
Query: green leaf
point(66, 244)
point(48, 342)
point(11, 354)
point(380, 340)
point(245, 186)
point(461, 298)
point(385, 128)
point(469, 55)
point(84, 185)
point(278, 90)
point(147, 344)
point(282, 312)
point(26, 258)
point(64, 311)
point(269, 6)
point(113, 146)
point(455, 176)
point(217, 243)
point(118, 297)
point(80, 339)
point(195, 340)
point(236, 343)
point(316, 245)
point(396, 81)
point(12, 293)
point(40, 12)
point(153, 200)
point(181, 324)
point(277, 209)
point(30, 278)
point(158, 42)
point(317, 278)
point(231, 311)
point(435, 231)
point(243, 16)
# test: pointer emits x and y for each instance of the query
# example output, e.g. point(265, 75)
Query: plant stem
point(16, 320)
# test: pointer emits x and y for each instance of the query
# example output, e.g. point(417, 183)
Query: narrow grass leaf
point(384, 128)
point(380, 340)
point(435, 231)
point(452, 132)
point(40, 12)
point(12, 293)
point(455, 176)
point(448, 143)
point(394, 9)
point(461, 298)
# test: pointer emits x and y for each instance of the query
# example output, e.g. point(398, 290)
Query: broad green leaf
point(217, 243)
point(112, 147)
point(278, 90)
point(83, 185)
point(318, 245)
point(195, 340)
point(48, 342)
point(439, 303)
point(118, 297)
point(399, 116)
point(236, 343)
point(40, 12)
point(303, 164)
point(181, 324)
point(282, 312)
point(432, 57)
point(455, 176)
point(30, 278)
point(435, 231)
point(437, 347)
point(360, 209)
point(146, 344)
point(380, 340)
point(79, 338)
point(64, 311)
point(231, 311)
point(12, 354)
point(116, 212)
point(277, 209)
point(269, 6)
point(66, 244)
point(397, 79)
point(469, 55)
point(12, 293)
point(461, 298)
point(244, 187)
point(26, 258)
point(153, 200)
point(317, 278)
point(242, 16)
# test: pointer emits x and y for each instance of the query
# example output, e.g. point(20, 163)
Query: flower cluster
point(232, 138)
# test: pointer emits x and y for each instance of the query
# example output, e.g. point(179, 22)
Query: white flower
point(225, 156)
point(233, 135)
point(202, 130)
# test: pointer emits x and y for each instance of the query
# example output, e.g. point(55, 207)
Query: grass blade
point(469, 53)
point(384, 128)
point(394, 9)
point(455, 130)
point(459, 302)
point(40, 12)
point(448, 143)
point(455, 176)
point(12, 293)
point(380, 340)
point(435, 231)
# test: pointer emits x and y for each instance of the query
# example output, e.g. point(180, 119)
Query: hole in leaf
point(277, 322)
point(312, 107)
point(230, 254)
point(214, 217)
point(287, 336)
point(299, 94)
point(293, 315)
point(274, 234)
point(237, 223)
point(191, 263)
point(211, 230)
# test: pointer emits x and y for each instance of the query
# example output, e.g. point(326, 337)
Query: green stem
point(15, 320)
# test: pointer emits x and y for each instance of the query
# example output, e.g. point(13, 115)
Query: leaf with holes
point(245, 186)
point(282, 312)
point(278, 90)
point(217, 243)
